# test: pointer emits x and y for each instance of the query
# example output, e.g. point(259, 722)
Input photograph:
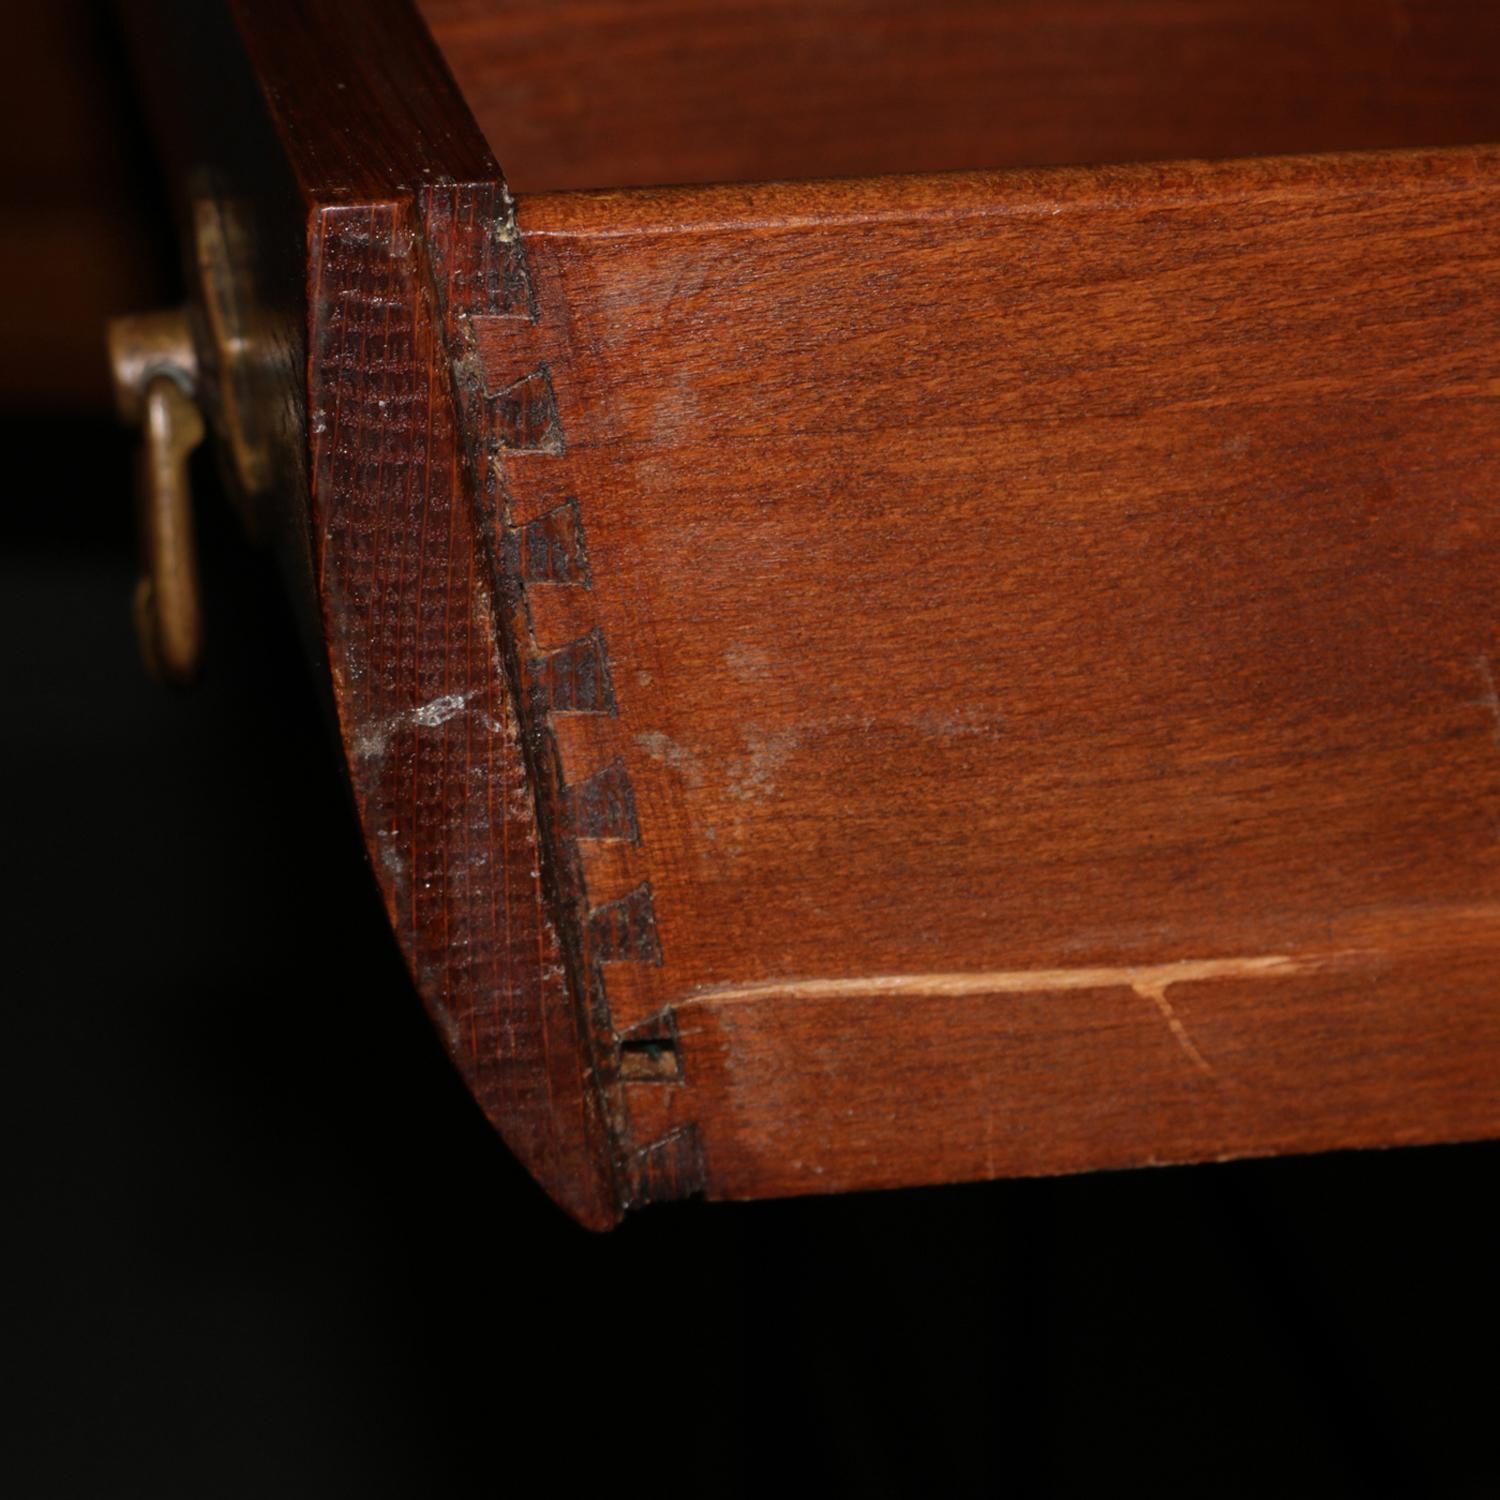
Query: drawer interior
point(614, 93)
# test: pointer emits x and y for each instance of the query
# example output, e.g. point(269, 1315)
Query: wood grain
point(1067, 572)
point(850, 684)
point(322, 123)
point(427, 714)
point(609, 93)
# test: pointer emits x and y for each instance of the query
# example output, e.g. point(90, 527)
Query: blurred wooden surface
point(83, 232)
point(612, 93)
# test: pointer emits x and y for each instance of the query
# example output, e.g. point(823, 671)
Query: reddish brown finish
point(852, 684)
point(610, 93)
point(428, 717)
point(375, 501)
point(1043, 574)
point(1391, 1040)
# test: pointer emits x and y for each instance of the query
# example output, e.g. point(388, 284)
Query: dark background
point(267, 1245)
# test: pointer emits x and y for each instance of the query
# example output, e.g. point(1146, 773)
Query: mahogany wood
point(1047, 626)
point(610, 93)
point(342, 112)
point(862, 683)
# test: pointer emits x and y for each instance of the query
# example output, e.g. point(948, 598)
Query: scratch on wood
point(933, 986)
point(1157, 994)
point(371, 740)
point(1150, 982)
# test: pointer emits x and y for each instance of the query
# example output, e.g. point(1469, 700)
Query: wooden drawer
point(854, 679)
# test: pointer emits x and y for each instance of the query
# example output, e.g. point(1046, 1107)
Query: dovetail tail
point(523, 416)
point(506, 391)
point(603, 806)
point(513, 433)
point(574, 679)
point(550, 549)
point(667, 1169)
point(626, 929)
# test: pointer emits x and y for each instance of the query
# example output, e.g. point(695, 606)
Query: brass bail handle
point(156, 380)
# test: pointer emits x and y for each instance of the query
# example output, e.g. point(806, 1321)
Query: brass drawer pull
point(155, 373)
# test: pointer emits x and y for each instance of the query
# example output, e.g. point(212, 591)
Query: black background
point(267, 1245)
